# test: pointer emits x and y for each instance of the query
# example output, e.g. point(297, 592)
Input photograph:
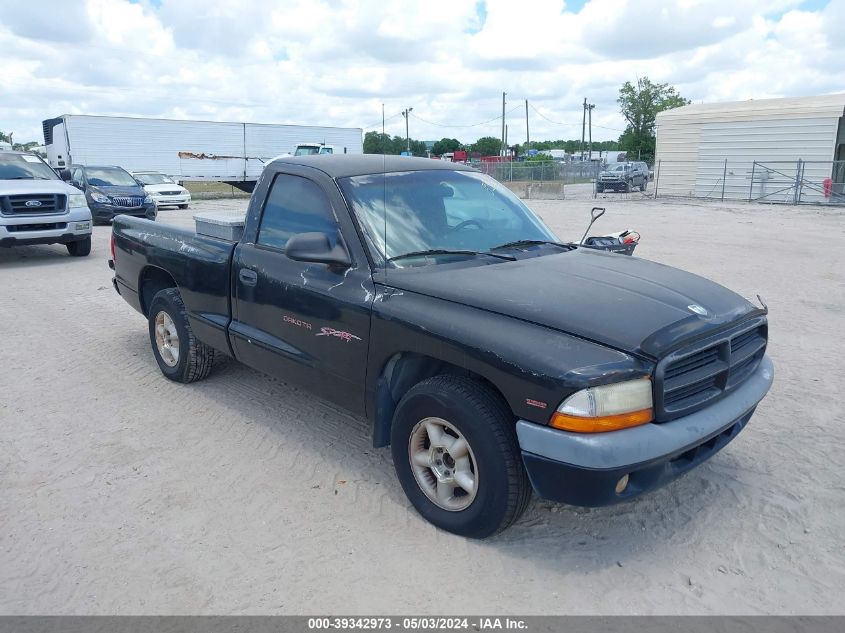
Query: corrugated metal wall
point(710, 150)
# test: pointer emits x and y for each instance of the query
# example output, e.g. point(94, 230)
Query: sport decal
point(346, 336)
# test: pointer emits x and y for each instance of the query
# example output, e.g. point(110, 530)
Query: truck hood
point(630, 304)
point(18, 187)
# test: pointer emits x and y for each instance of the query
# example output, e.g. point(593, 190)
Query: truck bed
point(148, 253)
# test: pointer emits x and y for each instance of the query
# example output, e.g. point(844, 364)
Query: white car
point(163, 189)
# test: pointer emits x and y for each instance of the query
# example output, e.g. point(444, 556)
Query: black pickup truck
point(489, 355)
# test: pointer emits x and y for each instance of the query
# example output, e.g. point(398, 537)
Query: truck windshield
point(438, 210)
point(154, 179)
point(24, 167)
point(306, 151)
point(109, 177)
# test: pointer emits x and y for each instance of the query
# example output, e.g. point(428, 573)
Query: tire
point(644, 185)
point(192, 360)
point(182, 206)
point(628, 186)
point(599, 189)
point(80, 248)
point(474, 412)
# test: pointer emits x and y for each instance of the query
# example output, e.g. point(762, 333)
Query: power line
point(531, 105)
point(379, 124)
point(495, 118)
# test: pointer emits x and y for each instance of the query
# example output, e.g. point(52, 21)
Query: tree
point(487, 146)
point(446, 145)
point(378, 143)
point(639, 105)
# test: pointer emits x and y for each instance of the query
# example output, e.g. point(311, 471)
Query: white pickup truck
point(37, 207)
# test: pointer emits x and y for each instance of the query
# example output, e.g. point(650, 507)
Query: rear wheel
point(180, 356)
point(80, 248)
point(457, 457)
point(643, 186)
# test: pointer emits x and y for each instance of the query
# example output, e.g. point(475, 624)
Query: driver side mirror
point(64, 174)
point(317, 248)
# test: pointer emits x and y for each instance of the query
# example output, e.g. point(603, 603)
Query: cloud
point(335, 63)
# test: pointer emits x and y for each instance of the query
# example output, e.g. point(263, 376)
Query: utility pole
point(382, 119)
point(527, 135)
point(502, 153)
point(583, 124)
point(590, 128)
point(406, 113)
point(506, 140)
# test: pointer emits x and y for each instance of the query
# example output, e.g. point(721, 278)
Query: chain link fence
point(777, 182)
point(539, 179)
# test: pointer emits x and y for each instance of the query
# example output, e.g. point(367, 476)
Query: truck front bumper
point(588, 469)
point(63, 228)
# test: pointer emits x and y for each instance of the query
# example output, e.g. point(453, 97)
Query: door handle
point(248, 277)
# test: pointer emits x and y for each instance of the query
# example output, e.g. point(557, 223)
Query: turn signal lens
point(606, 408)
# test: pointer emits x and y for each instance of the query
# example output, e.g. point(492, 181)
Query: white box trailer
point(187, 150)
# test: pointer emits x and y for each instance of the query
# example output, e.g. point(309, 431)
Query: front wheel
point(80, 248)
point(182, 206)
point(599, 189)
point(644, 185)
point(457, 457)
point(180, 356)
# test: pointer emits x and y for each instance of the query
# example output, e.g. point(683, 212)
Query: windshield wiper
point(26, 178)
point(443, 251)
point(519, 243)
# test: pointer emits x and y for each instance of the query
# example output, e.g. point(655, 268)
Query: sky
point(335, 63)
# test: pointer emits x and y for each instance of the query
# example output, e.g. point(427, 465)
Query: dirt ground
point(124, 493)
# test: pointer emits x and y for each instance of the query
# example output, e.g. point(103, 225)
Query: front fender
point(534, 367)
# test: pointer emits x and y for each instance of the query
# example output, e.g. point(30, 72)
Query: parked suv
point(36, 207)
point(163, 189)
point(645, 171)
point(110, 191)
point(622, 177)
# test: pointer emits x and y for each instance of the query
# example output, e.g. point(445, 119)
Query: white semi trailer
point(187, 150)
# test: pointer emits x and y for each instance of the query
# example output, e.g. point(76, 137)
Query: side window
point(76, 176)
point(295, 205)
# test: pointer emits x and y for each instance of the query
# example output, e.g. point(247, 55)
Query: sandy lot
point(125, 493)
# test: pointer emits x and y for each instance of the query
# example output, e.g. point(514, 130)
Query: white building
point(777, 150)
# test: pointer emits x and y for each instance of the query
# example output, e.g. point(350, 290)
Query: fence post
point(797, 182)
point(657, 179)
point(724, 175)
point(751, 188)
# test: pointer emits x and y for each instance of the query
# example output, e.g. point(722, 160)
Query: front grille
point(47, 226)
point(32, 204)
point(129, 202)
point(694, 376)
point(170, 193)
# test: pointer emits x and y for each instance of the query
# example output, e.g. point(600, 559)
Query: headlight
point(75, 200)
point(148, 198)
point(606, 408)
point(99, 197)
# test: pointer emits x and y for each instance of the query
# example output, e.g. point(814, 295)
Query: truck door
point(305, 323)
